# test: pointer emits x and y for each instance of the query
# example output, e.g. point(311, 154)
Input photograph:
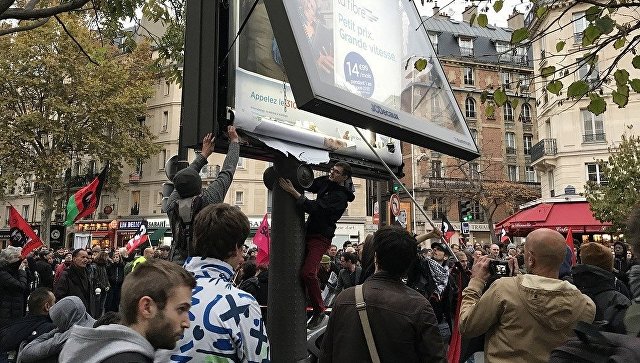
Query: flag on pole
point(571, 246)
point(262, 240)
point(86, 200)
point(447, 229)
point(139, 238)
point(503, 237)
point(21, 234)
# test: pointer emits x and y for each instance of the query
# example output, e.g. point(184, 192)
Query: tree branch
point(5, 4)
point(26, 14)
point(75, 41)
point(29, 26)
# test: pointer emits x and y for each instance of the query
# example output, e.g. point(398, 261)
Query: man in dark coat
point(333, 193)
point(402, 322)
point(74, 281)
point(13, 284)
point(44, 269)
point(36, 323)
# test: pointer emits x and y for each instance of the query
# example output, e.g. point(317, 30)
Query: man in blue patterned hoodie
point(226, 323)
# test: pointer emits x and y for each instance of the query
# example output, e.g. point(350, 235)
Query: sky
point(456, 8)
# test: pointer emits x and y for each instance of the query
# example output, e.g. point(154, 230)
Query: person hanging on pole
point(334, 192)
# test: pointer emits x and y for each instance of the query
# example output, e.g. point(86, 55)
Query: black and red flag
point(86, 200)
point(447, 229)
point(21, 233)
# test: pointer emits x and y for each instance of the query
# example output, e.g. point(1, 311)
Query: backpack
point(182, 215)
point(591, 345)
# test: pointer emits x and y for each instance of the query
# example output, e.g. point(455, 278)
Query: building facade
point(476, 60)
point(572, 139)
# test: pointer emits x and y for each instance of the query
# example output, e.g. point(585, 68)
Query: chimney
point(436, 9)
point(468, 12)
point(516, 20)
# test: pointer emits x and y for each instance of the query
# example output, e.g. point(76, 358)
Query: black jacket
point(601, 286)
point(115, 271)
point(74, 281)
point(402, 323)
point(329, 205)
point(13, 288)
point(45, 273)
point(26, 328)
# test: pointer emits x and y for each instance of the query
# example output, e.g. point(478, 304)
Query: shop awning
point(156, 235)
point(558, 215)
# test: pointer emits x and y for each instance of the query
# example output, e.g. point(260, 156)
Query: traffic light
point(466, 210)
point(394, 187)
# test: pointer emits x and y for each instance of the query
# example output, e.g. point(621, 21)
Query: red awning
point(559, 216)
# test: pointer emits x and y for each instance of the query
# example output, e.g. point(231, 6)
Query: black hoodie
point(603, 287)
point(329, 205)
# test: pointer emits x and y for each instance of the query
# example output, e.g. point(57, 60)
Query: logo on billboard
point(384, 112)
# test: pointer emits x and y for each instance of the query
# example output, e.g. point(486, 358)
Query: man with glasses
point(333, 194)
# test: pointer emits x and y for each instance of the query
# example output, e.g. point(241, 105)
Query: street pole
point(286, 315)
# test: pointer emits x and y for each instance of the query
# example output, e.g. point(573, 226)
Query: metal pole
point(405, 190)
point(286, 316)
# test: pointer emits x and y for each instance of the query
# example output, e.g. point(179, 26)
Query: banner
point(262, 240)
point(139, 238)
point(85, 201)
point(22, 235)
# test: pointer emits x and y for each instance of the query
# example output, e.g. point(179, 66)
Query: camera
point(499, 268)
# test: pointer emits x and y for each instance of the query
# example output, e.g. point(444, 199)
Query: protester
point(62, 266)
point(249, 279)
point(13, 285)
point(100, 284)
point(188, 198)
point(524, 317)
point(226, 321)
point(595, 278)
point(34, 324)
point(44, 269)
point(153, 316)
point(350, 273)
point(115, 272)
point(74, 281)
point(400, 318)
point(66, 313)
point(334, 192)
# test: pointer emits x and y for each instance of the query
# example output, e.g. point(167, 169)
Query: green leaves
point(497, 5)
point(636, 62)
point(500, 97)
point(491, 111)
point(621, 96)
point(590, 35)
point(483, 21)
point(605, 24)
point(555, 87)
point(619, 43)
point(597, 105)
point(578, 89)
point(548, 71)
point(519, 35)
point(635, 84)
point(541, 11)
point(472, 19)
point(420, 64)
point(621, 76)
point(592, 13)
point(560, 46)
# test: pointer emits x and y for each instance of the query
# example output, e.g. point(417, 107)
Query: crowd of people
point(394, 297)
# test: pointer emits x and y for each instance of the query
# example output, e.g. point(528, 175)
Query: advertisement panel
point(265, 107)
point(353, 60)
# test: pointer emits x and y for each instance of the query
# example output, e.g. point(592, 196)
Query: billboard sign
point(264, 104)
point(352, 61)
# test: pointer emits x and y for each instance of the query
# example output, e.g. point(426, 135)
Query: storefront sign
point(129, 225)
point(155, 223)
point(92, 227)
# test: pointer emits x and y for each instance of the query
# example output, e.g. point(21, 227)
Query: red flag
point(139, 238)
point(571, 246)
point(447, 229)
point(262, 240)
point(21, 233)
point(86, 200)
point(455, 345)
point(504, 238)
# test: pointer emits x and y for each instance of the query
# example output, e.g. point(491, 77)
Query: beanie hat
point(187, 183)
point(511, 245)
point(596, 254)
point(325, 259)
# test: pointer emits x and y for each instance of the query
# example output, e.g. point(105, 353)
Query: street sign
point(395, 204)
point(465, 228)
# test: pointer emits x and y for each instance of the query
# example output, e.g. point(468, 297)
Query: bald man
point(524, 316)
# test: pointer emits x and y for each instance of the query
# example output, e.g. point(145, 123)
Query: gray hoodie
point(94, 345)
point(65, 313)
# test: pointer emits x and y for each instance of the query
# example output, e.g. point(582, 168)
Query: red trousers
point(317, 245)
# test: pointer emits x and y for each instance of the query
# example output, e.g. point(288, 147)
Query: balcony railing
point(135, 177)
point(546, 147)
point(594, 138)
point(510, 150)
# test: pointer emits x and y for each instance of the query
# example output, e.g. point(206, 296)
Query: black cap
point(441, 247)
